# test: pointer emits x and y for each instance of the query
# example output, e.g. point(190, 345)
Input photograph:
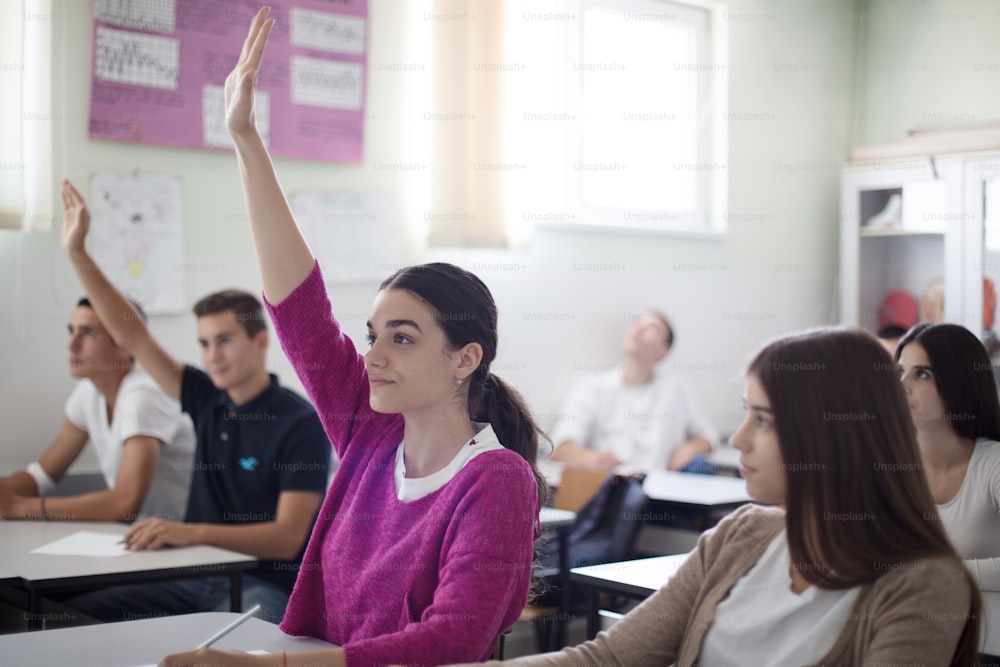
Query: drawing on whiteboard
point(138, 59)
point(326, 83)
point(213, 102)
point(155, 15)
point(137, 235)
point(328, 32)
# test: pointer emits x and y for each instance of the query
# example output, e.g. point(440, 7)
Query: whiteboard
point(354, 236)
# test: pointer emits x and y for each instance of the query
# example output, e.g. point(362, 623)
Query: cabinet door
point(981, 246)
point(916, 250)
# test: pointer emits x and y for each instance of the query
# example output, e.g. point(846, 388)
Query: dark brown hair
point(858, 504)
point(963, 375)
point(245, 307)
point(467, 314)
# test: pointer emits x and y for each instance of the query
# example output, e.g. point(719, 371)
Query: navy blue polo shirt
point(247, 455)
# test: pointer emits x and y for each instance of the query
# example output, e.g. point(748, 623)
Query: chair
point(499, 646)
point(577, 486)
point(609, 515)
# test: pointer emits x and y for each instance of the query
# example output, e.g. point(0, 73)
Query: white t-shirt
point(643, 426)
point(972, 517)
point(141, 408)
point(414, 488)
point(761, 622)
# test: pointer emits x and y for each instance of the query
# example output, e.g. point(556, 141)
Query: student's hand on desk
point(156, 533)
point(76, 219)
point(242, 80)
point(211, 657)
point(606, 461)
point(9, 503)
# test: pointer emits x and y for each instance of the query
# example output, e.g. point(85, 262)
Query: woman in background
point(950, 387)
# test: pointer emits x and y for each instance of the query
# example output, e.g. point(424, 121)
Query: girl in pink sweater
point(422, 551)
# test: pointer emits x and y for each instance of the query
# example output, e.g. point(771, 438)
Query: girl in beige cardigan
point(828, 440)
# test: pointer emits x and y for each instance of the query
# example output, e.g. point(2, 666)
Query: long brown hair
point(963, 375)
point(857, 502)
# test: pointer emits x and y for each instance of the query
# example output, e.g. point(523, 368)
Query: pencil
point(229, 628)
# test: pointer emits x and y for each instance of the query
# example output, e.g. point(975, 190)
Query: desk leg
point(564, 610)
point(236, 591)
point(35, 620)
point(593, 611)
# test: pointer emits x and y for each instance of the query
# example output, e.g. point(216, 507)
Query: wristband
point(42, 479)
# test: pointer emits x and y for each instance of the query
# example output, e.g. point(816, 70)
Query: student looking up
point(640, 415)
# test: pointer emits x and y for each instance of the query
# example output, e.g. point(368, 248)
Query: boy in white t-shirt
point(637, 416)
point(143, 442)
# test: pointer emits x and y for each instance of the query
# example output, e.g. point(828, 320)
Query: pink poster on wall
point(159, 67)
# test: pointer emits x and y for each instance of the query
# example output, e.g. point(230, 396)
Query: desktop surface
point(144, 641)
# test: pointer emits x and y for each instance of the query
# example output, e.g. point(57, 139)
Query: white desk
point(143, 642)
point(560, 521)
point(551, 471)
point(550, 517)
point(701, 491)
point(40, 574)
point(726, 457)
point(641, 578)
point(634, 578)
point(675, 487)
point(990, 641)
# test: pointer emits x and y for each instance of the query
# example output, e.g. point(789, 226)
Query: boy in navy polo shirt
point(261, 463)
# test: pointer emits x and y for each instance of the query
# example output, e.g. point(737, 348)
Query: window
point(26, 114)
point(621, 107)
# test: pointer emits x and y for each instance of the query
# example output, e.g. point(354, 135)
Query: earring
point(458, 382)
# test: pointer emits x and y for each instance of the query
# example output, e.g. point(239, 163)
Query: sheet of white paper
point(84, 543)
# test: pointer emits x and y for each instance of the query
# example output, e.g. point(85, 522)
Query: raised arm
point(283, 256)
point(113, 309)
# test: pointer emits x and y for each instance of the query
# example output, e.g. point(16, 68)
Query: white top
point(972, 517)
point(141, 408)
point(789, 629)
point(414, 488)
point(642, 426)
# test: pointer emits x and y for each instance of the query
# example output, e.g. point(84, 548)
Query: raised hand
point(76, 219)
point(241, 81)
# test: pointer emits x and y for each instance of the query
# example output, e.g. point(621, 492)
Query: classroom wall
point(790, 93)
point(929, 62)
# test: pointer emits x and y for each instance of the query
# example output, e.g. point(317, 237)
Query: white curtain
point(26, 118)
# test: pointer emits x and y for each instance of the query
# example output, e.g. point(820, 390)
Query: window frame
point(711, 165)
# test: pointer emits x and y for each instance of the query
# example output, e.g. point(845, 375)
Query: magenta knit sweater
point(428, 582)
